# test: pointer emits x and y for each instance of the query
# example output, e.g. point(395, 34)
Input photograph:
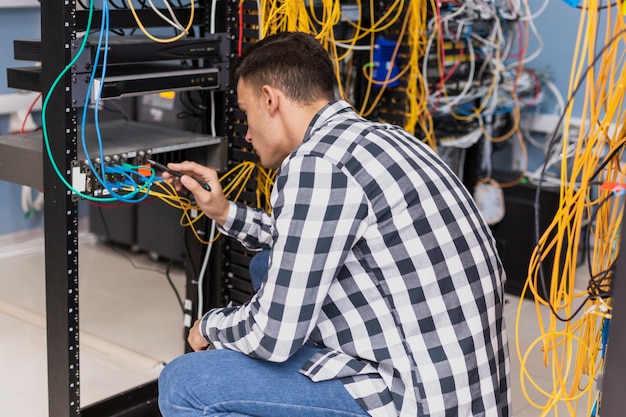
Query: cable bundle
point(573, 338)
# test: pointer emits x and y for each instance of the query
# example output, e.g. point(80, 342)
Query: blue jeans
point(226, 383)
point(258, 268)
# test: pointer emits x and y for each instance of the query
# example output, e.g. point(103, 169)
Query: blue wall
point(558, 27)
point(15, 23)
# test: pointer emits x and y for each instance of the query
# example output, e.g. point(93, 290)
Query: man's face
point(265, 131)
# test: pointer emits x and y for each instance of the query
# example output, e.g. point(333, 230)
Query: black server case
point(63, 22)
point(515, 234)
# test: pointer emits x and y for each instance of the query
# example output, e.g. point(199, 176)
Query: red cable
point(30, 109)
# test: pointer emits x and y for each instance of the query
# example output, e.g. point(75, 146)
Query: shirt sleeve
point(319, 214)
point(250, 226)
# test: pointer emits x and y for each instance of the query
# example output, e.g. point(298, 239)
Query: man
point(383, 294)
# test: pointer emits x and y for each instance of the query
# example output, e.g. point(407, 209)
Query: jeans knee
point(171, 383)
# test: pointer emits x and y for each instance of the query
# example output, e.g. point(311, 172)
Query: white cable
point(470, 78)
point(174, 18)
point(353, 47)
point(538, 13)
point(450, 16)
point(461, 167)
point(464, 141)
point(212, 114)
point(425, 59)
point(506, 41)
point(260, 12)
point(30, 206)
point(213, 12)
point(38, 203)
point(559, 109)
point(165, 18)
point(205, 263)
point(26, 199)
point(212, 94)
point(207, 254)
point(559, 97)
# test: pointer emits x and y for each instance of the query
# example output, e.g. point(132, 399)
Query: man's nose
point(248, 137)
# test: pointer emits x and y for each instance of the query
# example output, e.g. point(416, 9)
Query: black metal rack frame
point(60, 22)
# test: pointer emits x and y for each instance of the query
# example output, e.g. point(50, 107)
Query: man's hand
point(213, 203)
point(195, 339)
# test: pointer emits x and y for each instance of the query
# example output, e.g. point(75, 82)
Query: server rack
point(60, 22)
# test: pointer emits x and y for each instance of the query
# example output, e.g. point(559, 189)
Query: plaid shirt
point(379, 256)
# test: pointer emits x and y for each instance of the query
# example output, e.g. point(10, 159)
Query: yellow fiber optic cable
point(237, 177)
point(166, 40)
point(570, 335)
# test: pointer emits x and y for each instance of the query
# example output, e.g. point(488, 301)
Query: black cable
point(115, 6)
point(608, 159)
point(192, 263)
point(194, 109)
point(180, 3)
point(171, 282)
point(118, 32)
point(119, 109)
point(188, 102)
point(604, 274)
point(551, 145)
point(593, 289)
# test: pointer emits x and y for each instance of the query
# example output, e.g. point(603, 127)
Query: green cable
point(44, 108)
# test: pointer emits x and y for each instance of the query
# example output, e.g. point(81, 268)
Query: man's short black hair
point(294, 62)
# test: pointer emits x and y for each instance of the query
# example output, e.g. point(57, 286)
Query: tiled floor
point(131, 323)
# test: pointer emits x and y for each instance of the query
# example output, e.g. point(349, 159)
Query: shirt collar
point(326, 113)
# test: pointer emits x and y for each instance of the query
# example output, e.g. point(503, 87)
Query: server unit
point(515, 234)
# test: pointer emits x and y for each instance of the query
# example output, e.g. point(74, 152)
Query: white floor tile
point(130, 322)
point(23, 387)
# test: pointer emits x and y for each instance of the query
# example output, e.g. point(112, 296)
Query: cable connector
point(617, 188)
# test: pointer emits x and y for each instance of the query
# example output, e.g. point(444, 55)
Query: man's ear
point(270, 98)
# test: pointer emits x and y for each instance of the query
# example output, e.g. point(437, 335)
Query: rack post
point(60, 214)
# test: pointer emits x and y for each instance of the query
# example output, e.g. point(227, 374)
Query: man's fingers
point(190, 184)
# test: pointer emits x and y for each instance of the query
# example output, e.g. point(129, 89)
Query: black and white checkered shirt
point(380, 256)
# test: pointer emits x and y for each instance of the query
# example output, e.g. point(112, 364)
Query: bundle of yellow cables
point(572, 320)
point(235, 181)
point(295, 15)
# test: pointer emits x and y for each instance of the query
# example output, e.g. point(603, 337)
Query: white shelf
point(18, 3)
